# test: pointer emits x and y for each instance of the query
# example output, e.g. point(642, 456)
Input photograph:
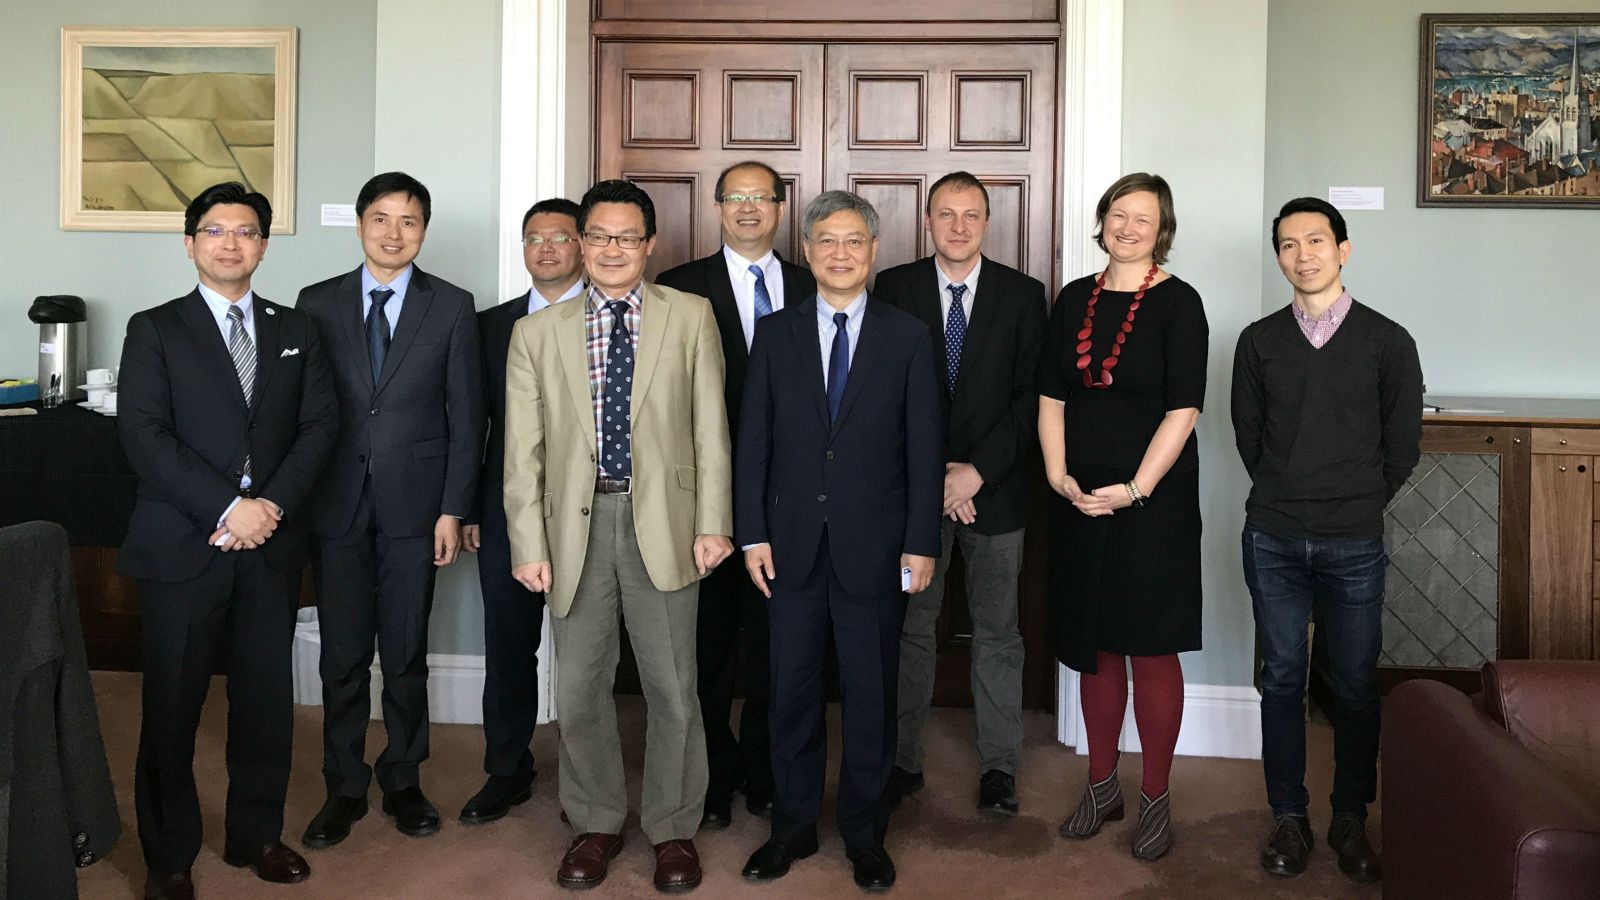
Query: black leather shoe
point(773, 859)
point(411, 811)
point(759, 804)
point(273, 862)
point(168, 887)
point(1287, 847)
point(496, 798)
point(902, 784)
point(874, 870)
point(997, 793)
point(719, 812)
point(1348, 838)
point(332, 823)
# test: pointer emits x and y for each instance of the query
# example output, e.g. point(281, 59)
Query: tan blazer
point(682, 462)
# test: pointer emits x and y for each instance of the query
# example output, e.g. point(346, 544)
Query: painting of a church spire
point(1508, 111)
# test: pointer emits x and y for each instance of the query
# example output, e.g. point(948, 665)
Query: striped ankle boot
point(1101, 803)
point(1152, 838)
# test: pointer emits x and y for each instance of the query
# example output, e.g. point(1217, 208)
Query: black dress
point(1127, 583)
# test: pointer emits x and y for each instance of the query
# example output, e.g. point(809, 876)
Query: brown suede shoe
point(677, 867)
point(168, 887)
point(273, 862)
point(584, 866)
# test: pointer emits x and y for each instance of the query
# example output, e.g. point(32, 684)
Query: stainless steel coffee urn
point(63, 348)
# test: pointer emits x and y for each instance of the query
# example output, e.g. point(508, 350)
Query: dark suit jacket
point(708, 277)
point(494, 337)
point(993, 419)
point(874, 477)
point(419, 429)
point(186, 431)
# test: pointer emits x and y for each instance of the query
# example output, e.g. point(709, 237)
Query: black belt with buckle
point(604, 485)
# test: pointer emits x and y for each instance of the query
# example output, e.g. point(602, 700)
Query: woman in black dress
point(1122, 380)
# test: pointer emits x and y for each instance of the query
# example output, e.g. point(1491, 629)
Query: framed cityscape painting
point(1510, 111)
point(150, 117)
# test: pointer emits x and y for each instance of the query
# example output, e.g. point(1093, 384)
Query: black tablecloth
point(66, 465)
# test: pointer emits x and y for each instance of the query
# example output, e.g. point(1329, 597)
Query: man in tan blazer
point(612, 535)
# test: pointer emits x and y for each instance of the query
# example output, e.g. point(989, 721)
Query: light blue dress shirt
point(826, 329)
point(391, 307)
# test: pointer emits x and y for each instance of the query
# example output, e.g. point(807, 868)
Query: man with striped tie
point(745, 280)
point(227, 413)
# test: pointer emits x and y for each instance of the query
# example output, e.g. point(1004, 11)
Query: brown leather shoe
point(677, 867)
point(584, 866)
point(168, 887)
point(273, 862)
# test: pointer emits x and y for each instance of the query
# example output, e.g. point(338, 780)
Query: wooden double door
point(882, 120)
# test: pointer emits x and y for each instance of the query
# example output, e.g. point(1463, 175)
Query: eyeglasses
point(601, 239)
point(559, 240)
point(752, 199)
point(243, 233)
point(827, 244)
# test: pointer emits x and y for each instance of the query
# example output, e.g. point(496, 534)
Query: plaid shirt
point(1320, 330)
point(597, 324)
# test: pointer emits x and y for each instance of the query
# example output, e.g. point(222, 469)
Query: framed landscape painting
point(152, 116)
point(1510, 111)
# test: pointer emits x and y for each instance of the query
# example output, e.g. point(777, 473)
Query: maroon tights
point(1157, 708)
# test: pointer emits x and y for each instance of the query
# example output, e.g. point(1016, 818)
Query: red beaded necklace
point(1085, 339)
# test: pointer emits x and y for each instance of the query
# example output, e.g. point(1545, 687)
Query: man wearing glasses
point(227, 412)
point(614, 537)
point(744, 281)
point(513, 616)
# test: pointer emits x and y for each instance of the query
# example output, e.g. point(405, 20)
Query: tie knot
point(755, 271)
point(381, 296)
point(840, 320)
point(235, 313)
point(957, 291)
point(619, 308)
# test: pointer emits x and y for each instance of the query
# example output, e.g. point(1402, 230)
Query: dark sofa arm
point(1469, 812)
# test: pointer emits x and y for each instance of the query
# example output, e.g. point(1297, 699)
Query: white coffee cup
point(97, 396)
point(101, 376)
point(109, 404)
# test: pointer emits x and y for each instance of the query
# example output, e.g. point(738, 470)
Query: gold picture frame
point(152, 116)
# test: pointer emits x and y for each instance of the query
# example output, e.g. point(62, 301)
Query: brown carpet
point(940, 844)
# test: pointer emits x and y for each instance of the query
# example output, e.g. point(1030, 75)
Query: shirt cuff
point(224, 517)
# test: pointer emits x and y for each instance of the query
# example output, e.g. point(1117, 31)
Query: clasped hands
point(709, 552)
point(246, 526)
point(1102, 501)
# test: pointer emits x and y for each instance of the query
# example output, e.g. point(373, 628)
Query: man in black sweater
point(1327, 411)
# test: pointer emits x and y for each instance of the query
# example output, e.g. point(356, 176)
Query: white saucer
point(107, 412)
point(110, 387)
point(93, 407)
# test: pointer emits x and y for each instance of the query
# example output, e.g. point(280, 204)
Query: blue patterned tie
point(955, 334)
point(618, 395)
point(378, 330)
point(763, 299)
point(838, 365)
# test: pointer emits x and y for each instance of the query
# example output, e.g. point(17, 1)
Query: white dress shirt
point(971, 281)
point(218, 305)
point(536, 300)
point(744, 286)
point(826, 329)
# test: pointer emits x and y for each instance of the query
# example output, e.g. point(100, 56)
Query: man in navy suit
point(513, 616)
point(227, 414)
point(838, 497)
point(745, 280)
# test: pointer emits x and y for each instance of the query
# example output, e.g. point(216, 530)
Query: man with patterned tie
point(745, 280)
point(227, 413)
point(618, 499)
point(987, 321)
point(387, 511)
point(837, 494)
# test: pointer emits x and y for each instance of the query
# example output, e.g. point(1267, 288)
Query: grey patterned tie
point(243, 351)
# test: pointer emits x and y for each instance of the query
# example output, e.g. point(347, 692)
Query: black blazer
point(708, 277)
point(494, 335)
point(186, 430)
point(419, 429)
point(874, 476)
point(993, 419)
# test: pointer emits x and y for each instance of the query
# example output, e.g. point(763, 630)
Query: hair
point(1312, 205)
point(1133, 184)
point(827, 203)
point(394, 183)
point(618, 190)
point(560, 206)
point(228, 192)
point(777, 180)
point(958, 180)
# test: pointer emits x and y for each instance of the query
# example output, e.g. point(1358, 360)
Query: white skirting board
point(1218, 720)
point(455, 681)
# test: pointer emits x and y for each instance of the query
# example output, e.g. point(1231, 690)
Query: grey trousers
point(994, 562)
point(615, 589)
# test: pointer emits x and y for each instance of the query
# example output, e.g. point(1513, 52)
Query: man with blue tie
point(838, 493)
point(745, 280)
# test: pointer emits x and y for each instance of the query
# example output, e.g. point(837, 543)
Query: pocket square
point(292, 351)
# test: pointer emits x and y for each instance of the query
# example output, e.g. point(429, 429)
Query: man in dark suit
point(987, 321)
point(227, 413)
point(387, 511)
point(744, 281)
point(837, 492)
point(513, 616)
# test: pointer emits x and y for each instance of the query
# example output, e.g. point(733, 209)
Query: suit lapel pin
point(271, 311)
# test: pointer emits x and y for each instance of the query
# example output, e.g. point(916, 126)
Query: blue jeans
point(1339, 583)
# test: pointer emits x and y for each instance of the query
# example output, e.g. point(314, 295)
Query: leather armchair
point(1495, 795)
